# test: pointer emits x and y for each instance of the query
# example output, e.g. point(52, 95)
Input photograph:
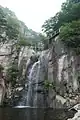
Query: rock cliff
point(65, 72)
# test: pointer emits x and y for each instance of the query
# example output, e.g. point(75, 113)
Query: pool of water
point(32, 114)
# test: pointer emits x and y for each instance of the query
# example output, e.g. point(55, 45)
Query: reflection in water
point(32, 114)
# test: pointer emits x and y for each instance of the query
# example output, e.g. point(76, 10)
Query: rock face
point(60, 67)
point(5, 59)
point(77, 114)
point(2, 90)
point(24, 57)
point(66, 69)
point(5, 51)
point(13, 34)
point(36, 72)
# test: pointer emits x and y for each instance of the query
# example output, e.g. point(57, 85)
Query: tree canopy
point(70, 34)
point(67, 23)
point(70, 11)
point(12, 29)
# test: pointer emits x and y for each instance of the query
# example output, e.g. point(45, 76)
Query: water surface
point(32, 114)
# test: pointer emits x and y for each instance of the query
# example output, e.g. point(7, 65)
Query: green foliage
point(15, 30)
point(45, 42)
point(70, 11)
point(70, 35)
point(8, 25)
point(24, 43)
point(48, 84)
point(74, 1)
point(68, 21)
point(1, 68)
point(12, 74)
point(3, 24)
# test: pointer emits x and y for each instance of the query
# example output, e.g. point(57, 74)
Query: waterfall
point(35, 96)
point(60, 66)
point(34, 93)
point(38, 100)
point(32, 79)
point(28, 67)
point(75, 82)
point(31, 71)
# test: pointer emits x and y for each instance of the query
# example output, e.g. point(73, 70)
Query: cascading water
point(30, 75)
point(32, 79)
point(60, 64)
point(34, 93)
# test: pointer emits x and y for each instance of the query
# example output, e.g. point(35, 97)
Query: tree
point(12, 74)
point(70, 35)
point(9, 27)
point(3, 24)
point(74, 1)
point(12, 30)
point(70, 11)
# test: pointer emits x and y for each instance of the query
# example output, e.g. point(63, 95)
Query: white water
point(22, 107)
point(32, 76)
point(38, 70)
point(60, 66)
point(35, 94)
point(60, 98)
point(32, 70)
point(36, 77)
point(75, 84)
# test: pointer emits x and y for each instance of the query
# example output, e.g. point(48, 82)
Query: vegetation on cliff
point(15, 33)
point(13, 29)
point(68, 22)
point(70, 35)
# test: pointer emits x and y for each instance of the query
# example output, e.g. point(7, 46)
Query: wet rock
point(19, 88)
point(60, 98)
point(77, 113)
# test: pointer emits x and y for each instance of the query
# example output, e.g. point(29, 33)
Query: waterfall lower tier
point(35, 96)
point(36, 92)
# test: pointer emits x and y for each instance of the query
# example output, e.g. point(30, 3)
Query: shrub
point(12, 74)
point(1, 68)
point(48, 84)
point(70, 35)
